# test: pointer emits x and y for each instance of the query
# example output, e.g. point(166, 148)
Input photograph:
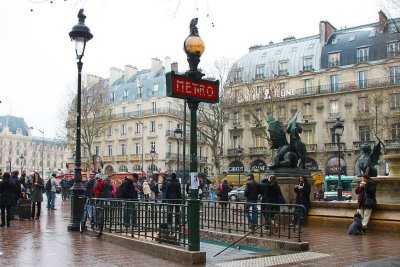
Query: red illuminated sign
point(180, 86)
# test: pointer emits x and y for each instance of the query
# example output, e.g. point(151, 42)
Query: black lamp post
point(152, 154)
point(178, 133)
point(239, 153)
point(338, 131)
point(80, 33)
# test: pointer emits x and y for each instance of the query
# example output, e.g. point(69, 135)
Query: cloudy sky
point(38, 67)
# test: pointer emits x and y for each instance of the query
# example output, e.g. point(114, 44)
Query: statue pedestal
point(287, 178)
point(387, 187)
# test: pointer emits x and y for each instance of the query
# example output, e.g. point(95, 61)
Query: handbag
point(370, 202)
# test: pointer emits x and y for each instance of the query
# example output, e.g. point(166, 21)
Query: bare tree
point(93, 115)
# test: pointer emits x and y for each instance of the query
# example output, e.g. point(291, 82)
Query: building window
point(137, 149)
point(238, 75)
point(155, 89)
point(362, 54)
point(235, 141)
point(259, 113)
point(153, 146)
point(362, 79)
point(334, 109)
point(110, 150)
point(394, 75)
point(308, 64)
point(139, 109)
point(334, 59)
point(125, 97)
point(123, 168)
point(169, 148)
point(283, 68)
point(307, 86)
point(282, 85)
point(395, 131)
point(137, 128)
point(96, 150)
point(152, 126)
point(307, 110)
point(154, 107)
point(393, 49)
point(123, 149)
point(109, 131)
point(334, 85)
point(258, 140)
point(112, 97)
point(123, 129)
point(362, 104)
point(365, 133)
point(235, 118)
point(260, 71)
point(307, 136)
point(139, 94)
point(394, 101)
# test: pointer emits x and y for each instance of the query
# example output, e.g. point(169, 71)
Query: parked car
point(238, 194)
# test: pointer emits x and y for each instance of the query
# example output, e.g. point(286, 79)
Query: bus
point(330, 187)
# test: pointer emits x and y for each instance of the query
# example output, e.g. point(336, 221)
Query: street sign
point(181, 86)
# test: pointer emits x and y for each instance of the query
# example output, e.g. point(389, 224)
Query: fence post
point(193, 220)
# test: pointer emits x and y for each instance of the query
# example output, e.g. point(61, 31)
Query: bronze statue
point(368, 159)
point(287, 154)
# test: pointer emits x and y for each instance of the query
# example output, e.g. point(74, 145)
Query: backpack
point(98, 187)
point(48, 185)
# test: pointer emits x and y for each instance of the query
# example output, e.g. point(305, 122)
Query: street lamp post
point(152, 154)
point(80, 33)
point(239, 153)
point(21, 157)
point(142, 148)
point(338, 131)
point(178, 134)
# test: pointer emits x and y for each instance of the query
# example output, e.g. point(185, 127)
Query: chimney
point(129, 72)
point(156, 65)
point(174, 67)
point(382, 21)
point(91, 80)
point(325, 30)
point(167, 64)
point(289, 38)
point(115, 74)
point(254, 48)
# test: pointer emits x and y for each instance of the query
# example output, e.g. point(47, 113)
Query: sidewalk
point(48, 243)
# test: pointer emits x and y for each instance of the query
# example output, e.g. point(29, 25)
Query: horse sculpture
point(287, 154)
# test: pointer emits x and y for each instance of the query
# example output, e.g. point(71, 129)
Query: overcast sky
point(37, 62)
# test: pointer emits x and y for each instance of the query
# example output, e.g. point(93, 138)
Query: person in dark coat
point(8, 192)
point(16, 183)
point(271, 194)
point(22, 179)
point(173, 196)
point(36, 195)
point(129, 193)
point(366, 189)
point(89, 188)
point(302, 190)
point(107, 188)
point(251, 194)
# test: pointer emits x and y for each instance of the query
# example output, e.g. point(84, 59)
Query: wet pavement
point(48, 243)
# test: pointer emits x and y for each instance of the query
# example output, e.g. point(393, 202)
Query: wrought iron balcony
point(333, 147)
point(311, 147)
point(357, 144)
point(108, 159)
point(258, 151)
point(392, 144)
point(121, 158)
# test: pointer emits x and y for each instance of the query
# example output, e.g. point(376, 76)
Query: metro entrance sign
point(182, 86)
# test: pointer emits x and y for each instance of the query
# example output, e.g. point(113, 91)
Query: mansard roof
point(14, 124)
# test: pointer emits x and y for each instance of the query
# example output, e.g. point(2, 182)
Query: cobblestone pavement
point(48, 243)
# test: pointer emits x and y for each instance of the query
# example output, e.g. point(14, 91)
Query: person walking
point(8, 194)
point(271, 194)
point(213, 191)
point(36, 195)
point(107, 188)
point(64, 188)
point(366, 200)
point(129, 194)
point(302, 190)
point(146, 190)
point(251, 193)
point(173, 196)
point(90, 187)
point(51, 199)
point(15, 181)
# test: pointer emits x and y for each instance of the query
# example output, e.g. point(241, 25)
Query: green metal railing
point(164, 222)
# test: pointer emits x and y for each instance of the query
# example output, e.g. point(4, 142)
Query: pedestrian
point(107, 188)
point(129, 194)
point(173, 196)
point(366, 200)
point(28, 185)
point(302, 190)
point(51, 195)
point(15, 181)
point(90, 186)
point(22, 180)
point(36, 195)
point(146, 190)
point(271, 194)
point(163, 187)
point(251, 193)
point(223, 190)
point(114, 189)
point(64, 188)
point(213, 190)
point(8, 193)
